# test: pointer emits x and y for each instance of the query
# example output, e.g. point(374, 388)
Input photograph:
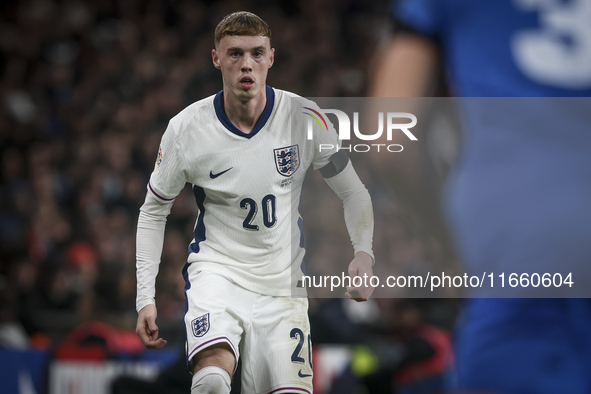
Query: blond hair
point(241, 23)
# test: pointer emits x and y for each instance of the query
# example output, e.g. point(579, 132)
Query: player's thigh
point(277, 352)
point(213, 317)
point(219, 354)
point(525, 346)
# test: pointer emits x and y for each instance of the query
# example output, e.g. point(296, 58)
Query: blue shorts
point(525, 346)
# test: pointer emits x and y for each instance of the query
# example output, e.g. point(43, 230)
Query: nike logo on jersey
point(301, 375)
point(213, 176)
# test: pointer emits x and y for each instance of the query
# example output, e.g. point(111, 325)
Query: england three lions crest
point(200, 325)
point(287, 160)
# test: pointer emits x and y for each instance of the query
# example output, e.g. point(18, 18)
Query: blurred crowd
point(87, 89)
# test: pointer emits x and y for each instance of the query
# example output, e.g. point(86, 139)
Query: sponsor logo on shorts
point(302, 375)
point(200, 325)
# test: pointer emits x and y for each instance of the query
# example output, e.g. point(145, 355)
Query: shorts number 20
point(296, 357)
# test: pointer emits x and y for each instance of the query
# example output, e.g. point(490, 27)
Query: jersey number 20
point(269, 217)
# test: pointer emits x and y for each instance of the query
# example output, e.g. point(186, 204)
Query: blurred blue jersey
point(519, 199)
point(508, 48)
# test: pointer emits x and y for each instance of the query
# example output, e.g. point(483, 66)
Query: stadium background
point(87, 89)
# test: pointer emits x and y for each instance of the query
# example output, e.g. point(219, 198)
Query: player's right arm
point(166, 182)
point(147, 329)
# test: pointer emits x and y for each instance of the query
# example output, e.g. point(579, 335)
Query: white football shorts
point(271, 334)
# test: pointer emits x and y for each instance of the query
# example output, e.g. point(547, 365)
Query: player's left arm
point(340, 175)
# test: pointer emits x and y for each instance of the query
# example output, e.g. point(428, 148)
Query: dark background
point(87, 89)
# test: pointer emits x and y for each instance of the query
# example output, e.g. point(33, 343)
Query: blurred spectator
point(86, 91)
point(400, 346)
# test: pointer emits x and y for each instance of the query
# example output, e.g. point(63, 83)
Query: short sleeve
point(326, 140)
point(423, 16)
point(169, 175)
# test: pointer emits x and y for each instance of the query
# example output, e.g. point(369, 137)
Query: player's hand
point(360, 266)
point(147, 329)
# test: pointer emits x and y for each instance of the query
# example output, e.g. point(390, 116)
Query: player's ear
point(272, 57)
point(215, 58)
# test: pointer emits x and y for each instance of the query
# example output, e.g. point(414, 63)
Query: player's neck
point(244, 115)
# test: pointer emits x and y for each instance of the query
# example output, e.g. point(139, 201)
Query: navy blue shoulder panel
point(217, 103)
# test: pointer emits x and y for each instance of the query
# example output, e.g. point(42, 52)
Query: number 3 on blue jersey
point(558, 53)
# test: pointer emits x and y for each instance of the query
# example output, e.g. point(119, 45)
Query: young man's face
point(244, 61)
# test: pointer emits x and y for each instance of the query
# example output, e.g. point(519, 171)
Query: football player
point(245, 151)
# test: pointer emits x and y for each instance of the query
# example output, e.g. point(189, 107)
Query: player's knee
point(211, 380)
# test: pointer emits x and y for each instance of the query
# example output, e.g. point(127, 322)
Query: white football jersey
point(247, 187)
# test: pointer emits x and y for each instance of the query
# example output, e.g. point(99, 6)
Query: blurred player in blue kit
point(519, 199)
point(245, 151)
